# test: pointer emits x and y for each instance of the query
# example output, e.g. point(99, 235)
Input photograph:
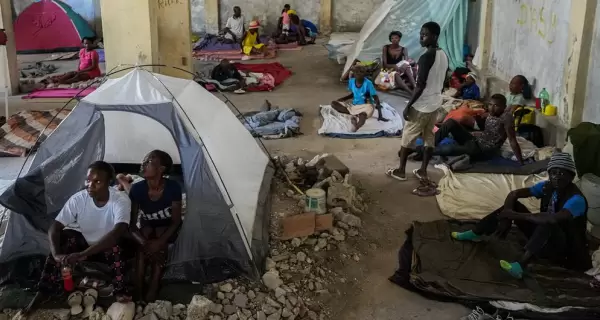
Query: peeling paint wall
point(198, 19)
point(88, 9)
point(268, 11)
point(591, 110)
point(351, 15)
point(530, 37)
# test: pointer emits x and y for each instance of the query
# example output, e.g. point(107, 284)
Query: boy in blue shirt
point(556, 233)
point(364, 99)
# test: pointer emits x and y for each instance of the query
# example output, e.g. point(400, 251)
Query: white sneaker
point(478, 314)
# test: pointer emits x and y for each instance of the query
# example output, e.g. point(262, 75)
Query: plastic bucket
point(590, 187)
point(316, 201)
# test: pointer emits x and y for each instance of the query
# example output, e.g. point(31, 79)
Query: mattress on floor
point(466, 196)
point(470, 271)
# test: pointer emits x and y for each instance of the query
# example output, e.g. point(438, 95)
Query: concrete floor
point(392, 208)
point(316, 81)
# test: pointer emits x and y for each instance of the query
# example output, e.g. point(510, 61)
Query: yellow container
point(550, 110)
point(528, 118)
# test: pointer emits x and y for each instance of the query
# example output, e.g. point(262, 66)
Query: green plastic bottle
point(544, 99)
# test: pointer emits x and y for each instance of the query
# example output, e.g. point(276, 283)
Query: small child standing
point(285, 20)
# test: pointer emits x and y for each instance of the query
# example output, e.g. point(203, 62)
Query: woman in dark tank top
point(392, 55)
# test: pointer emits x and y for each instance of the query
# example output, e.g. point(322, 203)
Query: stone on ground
point(198, 308)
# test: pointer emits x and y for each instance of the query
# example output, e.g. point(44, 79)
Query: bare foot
point(354, 122)
point(361, 122)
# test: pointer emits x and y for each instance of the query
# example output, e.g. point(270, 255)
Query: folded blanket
point(339, 125)
point(273, 124)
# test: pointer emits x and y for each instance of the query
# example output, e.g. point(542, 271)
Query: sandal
point(89, 300)
point(420, 177)
point(390, 173)
point(74, 300)
point(425, 191)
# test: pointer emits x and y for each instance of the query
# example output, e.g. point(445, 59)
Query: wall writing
point(168, 3)
point(530, 37)
point(538, 20)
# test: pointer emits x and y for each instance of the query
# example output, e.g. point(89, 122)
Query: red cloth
point(279, 72)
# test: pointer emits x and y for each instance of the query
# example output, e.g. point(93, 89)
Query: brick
point(300, 225)
point(323, 222)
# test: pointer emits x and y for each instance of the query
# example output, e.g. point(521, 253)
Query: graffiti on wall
point(538, 20)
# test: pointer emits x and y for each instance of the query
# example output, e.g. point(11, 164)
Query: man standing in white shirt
point(234, 28)
point(421, 112)
point(90, 226)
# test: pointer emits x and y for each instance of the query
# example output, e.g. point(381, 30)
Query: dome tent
point(226, 174)
point(50, 26)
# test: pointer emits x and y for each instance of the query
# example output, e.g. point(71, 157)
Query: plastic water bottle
point(545, 98)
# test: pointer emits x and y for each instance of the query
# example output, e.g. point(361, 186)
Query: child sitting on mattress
point(88, 65)
point(251, 43)
point(364, 100)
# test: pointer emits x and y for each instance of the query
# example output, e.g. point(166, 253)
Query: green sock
point(513, 268)
point(466, 236)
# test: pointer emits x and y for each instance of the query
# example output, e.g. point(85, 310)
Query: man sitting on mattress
point(234, 28)
point(364, 99)
point(556, 233)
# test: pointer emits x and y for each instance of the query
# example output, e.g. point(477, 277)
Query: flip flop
point(390, 173)
point(89, 300)
point(74, 300)
point(420, 177)
point(425, 191)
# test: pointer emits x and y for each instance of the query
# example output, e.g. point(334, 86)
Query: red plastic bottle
point(67, 279)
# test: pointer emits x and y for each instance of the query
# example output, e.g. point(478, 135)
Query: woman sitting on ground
point(364, 100)
point(251, 44)
point(88, 65)
point(157, 200)
point(395, 57)
point(469, 90)
point(302, 34)
point(519, 91)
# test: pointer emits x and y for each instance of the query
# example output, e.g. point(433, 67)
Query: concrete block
point(333, 163)
point(297, 226)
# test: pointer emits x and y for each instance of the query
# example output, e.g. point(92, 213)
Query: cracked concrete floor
point(316, 81)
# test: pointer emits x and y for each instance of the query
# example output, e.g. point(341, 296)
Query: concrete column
point(9, 69)
point(581, 26)
point(174, 37)
point(211, 11)
point(325, 17)
point(485, 34)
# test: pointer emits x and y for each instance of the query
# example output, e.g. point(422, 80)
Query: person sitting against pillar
point(102, 215)
point(157, 202)
point(557, 233)
point(234, 28)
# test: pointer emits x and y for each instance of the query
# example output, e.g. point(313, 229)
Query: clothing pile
point(273, 123)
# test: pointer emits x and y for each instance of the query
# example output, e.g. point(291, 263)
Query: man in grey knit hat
point(557, 232)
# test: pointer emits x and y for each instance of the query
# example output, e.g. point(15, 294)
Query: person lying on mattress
point(157, 200)
point(557, 233)
point(91, 226)
point(251, 41)
point(234, 28)
point(469, 90)
point(395, 57)
point(364, 100)
point(228, 75)
point(480, 145)
point(88, 65)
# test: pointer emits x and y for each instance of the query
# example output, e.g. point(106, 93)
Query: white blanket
point(338, 123)
point(465, 196)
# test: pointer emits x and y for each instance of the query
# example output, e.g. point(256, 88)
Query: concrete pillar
point(211, 18)
point(148, 32)
point(325, 17)
point(485, 34)
point(581, 26)
point(9, 68)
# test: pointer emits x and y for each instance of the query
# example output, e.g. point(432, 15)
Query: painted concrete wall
point(198, 18)
point(591, 111)
point(473, 21)
point(350, 15)
point(530, 37)
point(268, 11)
point(88, 9)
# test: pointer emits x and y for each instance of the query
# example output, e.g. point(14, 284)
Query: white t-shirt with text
point(80, 213)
